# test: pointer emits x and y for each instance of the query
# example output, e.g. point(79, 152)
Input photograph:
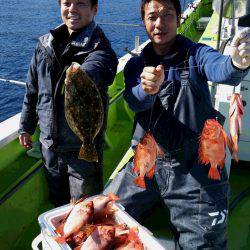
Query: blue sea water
point(22, 22)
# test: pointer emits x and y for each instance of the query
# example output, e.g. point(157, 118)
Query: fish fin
point(239, 104)
point(109, 209)
point(140, 182)
point(113, 197)
point(236, 158)
point(136, 167)
point(235, 147)
point(214, 173)
point(88, 152)
point(160, 152)
point(240, 125)
point(60, 239)
point(151, 172)
point(202, 159)
point(133, 233)
point(59, 229)
point(229, 142)
point(232, 109)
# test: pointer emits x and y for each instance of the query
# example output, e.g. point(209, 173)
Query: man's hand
point(152, 78)
point(25, 140)
point(240, 49)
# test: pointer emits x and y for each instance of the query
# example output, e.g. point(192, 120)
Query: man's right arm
point(141, 85)
point(28, 121)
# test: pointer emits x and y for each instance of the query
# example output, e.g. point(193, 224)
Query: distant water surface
point(22, 22)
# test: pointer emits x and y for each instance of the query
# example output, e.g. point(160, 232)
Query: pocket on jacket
point(45, 120)
point(213, 206)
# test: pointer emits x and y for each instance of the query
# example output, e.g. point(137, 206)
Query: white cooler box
point(49, 219)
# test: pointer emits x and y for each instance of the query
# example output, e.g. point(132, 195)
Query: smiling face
point(77, 14)
point(161, 24)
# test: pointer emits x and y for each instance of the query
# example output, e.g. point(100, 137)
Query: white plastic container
point(49, 219)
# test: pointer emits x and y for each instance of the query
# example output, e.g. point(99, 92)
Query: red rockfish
point(81, 214)
point(212, 147)
point(144, 160)
point(236, 111)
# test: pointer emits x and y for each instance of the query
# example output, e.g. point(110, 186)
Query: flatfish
point(84, 110)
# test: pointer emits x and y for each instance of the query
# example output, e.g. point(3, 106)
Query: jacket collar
point(83, 36)
point(80, 38)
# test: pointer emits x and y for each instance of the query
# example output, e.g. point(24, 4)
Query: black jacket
point(90, 48)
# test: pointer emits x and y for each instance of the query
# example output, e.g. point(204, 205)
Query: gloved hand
point(240, 49)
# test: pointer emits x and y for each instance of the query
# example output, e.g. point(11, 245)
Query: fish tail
point(214, 173)
point(151, 172)
point(88, 152)
point(140, 182)
point(236, 158)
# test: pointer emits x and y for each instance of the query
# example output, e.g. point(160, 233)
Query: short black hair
point(176, 4)
point(93, 2)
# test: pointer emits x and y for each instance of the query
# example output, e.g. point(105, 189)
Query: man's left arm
point(240, 49)
point(101, 66)
point(226, 69)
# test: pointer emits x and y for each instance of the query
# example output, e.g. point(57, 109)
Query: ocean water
point(22, 22)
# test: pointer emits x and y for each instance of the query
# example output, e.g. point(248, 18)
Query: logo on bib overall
point(219, 217)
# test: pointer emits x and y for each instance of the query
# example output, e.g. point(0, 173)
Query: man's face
point(161, 22)
point(77, 14)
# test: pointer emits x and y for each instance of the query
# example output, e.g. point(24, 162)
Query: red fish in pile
point(92, 225)
point(144, 160)
point(100, 239)
point(212, 147)
point(103, 206)
point(236, 111)
point(81, 214)
point(132, 241)
point(78, 238)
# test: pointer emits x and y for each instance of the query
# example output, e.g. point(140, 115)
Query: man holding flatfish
point(67, 84)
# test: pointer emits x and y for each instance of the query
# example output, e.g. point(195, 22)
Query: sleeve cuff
point(144, 96)
point(238, 69)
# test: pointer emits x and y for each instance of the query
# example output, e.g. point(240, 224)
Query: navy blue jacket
point(205, 63)
point(90, 48)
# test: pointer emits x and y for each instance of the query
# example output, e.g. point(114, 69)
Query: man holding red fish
point(176, 129)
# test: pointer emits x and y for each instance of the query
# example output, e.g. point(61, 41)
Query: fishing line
point(122, 24)
point(157, 120)
point(150, 118)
